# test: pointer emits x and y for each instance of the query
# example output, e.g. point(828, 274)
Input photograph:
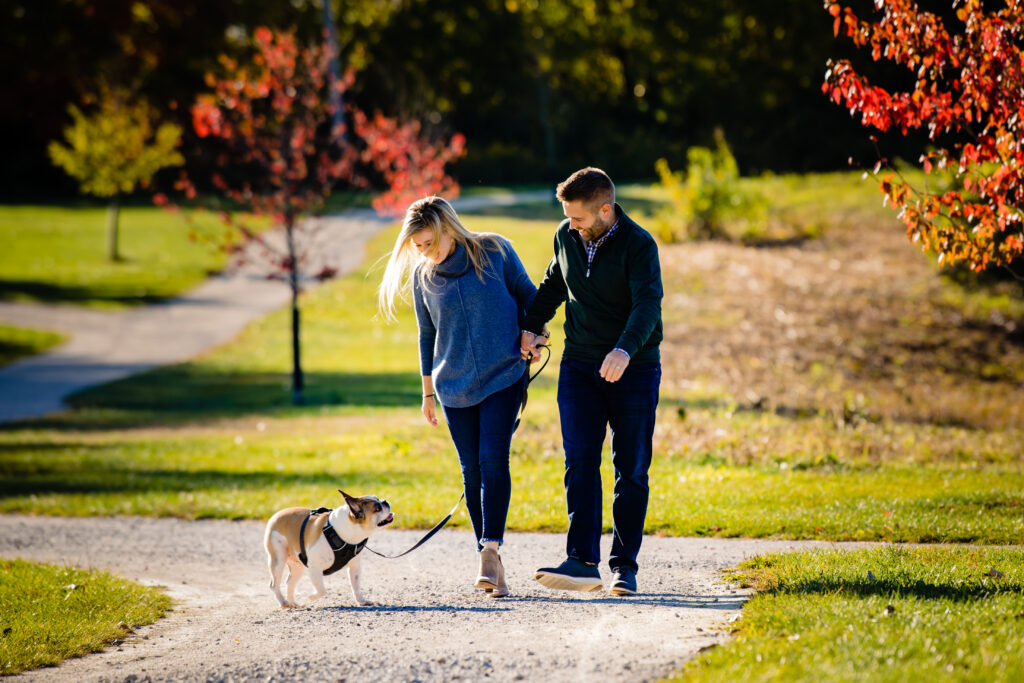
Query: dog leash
point(437, 527)
point(440, 525)
point(526, 387)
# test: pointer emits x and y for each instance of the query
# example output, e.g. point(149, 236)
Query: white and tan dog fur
point(354, 522)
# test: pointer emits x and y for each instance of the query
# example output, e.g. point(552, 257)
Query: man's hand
point(614, 365)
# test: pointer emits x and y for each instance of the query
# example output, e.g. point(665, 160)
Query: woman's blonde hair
point(404, 263)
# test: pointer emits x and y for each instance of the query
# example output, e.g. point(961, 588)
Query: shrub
point(709, 202)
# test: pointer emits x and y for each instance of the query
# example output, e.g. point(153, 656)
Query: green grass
point(250, 469)
point(939, 613)
point(58, 254)
point(48, 614)
point(831, 459)
point(18, 342)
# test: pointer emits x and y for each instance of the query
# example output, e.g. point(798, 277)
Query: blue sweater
point(469, 330)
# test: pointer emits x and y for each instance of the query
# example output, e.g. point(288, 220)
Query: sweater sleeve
point(428, 333)
point(518, 283)
point(646, 291)
point(550, 295)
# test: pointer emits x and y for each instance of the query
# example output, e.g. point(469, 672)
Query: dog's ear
point(354, 508)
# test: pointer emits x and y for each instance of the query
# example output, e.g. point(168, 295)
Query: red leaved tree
point(968, 94)
point(276, 149)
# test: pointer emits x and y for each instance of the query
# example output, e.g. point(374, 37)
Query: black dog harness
point(343, 551)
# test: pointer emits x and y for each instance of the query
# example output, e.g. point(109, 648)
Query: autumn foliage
point(274, 146)
point(968, 95)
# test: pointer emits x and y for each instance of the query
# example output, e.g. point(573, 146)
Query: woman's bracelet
point(428, 395)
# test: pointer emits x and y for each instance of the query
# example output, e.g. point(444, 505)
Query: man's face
point(587, 221)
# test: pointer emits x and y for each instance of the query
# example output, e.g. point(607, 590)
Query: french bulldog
point(320, 542)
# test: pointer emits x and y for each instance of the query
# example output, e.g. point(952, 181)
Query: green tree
point(116, 149)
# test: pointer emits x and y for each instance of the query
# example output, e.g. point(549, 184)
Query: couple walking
point(481, 319)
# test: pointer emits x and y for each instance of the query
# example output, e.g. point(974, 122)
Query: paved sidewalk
point(106, 346)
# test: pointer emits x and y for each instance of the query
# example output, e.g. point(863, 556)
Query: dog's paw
point(366, 603)
point(316, 596)
point(289, 605)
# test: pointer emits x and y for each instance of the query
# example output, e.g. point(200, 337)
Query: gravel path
point(429, 623)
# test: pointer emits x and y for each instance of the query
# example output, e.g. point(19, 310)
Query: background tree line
point(538, 87)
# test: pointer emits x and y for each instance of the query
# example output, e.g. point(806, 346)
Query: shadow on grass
point(42, 481)
point(189, 393)
point(48, 292)
point(865, 588)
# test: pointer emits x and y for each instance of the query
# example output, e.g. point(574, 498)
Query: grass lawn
point(884, 614)
point(58, 254)
point(836, 388)
point(18, 342)
point(779, 418)
point(52, 613)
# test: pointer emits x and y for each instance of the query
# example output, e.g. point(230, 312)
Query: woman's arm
point(429, 400)
point(427, 337)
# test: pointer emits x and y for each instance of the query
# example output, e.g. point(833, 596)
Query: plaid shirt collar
point(591, 247)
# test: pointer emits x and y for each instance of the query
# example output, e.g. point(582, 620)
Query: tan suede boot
point(500, 589)
point(490, 566)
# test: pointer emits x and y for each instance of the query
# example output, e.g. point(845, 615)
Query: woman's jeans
point(483, 435)
point(587, 404)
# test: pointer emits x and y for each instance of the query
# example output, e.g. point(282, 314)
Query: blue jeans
point(587, 404)
point(483, 435)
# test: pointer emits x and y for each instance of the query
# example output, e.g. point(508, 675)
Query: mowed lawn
point(58, 254)
point(809, 392)
point(836, 388)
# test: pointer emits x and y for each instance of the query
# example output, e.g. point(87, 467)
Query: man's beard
point(598, 223)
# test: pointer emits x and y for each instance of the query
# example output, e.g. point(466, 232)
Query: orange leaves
point(968, 89)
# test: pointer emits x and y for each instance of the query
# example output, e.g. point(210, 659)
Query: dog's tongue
point(387, 520)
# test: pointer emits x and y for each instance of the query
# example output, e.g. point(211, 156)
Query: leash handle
point(427, 537)
point(546, 347)
point(526, 387)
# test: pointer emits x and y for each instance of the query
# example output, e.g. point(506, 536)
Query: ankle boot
point(490, 566)
point(500, 589)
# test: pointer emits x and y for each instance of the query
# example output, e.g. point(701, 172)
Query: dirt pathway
point(429, 623)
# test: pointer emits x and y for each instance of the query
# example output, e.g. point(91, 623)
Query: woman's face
point(424, 243)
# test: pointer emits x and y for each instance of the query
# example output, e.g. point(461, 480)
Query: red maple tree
point(268, 129)
point(968, 94)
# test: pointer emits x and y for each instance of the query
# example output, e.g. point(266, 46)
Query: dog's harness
point(343, 551)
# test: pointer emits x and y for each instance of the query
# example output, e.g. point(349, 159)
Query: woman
point(470, 292)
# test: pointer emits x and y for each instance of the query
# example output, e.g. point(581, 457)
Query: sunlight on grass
point(58, 254)
point(768, 425)
point(19, 342)
point(886, 614)
point(52, 613)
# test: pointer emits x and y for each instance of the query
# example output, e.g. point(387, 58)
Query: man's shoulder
point(637, 235)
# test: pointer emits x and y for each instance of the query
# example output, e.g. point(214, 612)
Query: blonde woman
point(470, 293)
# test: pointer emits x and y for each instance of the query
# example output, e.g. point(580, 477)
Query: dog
point(320, 542)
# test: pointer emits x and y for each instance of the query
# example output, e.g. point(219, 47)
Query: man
point(606, 267)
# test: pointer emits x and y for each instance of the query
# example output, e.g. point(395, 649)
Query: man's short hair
point(590, 185)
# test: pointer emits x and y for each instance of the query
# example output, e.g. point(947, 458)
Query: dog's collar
point(343, 550)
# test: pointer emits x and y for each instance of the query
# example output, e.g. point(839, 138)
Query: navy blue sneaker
point(623, 581)
point(571, 575)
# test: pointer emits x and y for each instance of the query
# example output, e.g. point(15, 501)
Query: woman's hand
point(429, 409)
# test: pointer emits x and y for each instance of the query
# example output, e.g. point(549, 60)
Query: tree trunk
point(293, 280)
point(113, 214)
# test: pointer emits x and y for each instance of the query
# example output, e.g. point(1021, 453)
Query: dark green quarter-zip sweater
point(617, 304)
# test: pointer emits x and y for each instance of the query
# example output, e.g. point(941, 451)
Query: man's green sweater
point(616, 303)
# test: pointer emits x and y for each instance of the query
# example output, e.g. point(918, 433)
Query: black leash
point(437, 527)
point(526, 387)
point(440, 525)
